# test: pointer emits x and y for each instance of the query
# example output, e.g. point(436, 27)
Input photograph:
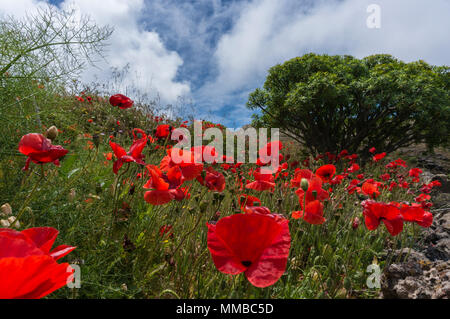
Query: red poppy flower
point(254, 244)
point(375, 212)
point(133, 155)
point(299, 174)
point(337, 179)
point(314, 191)
point(355, 223)
point(251, 204)
point(163, 187)
point(313, 213)
point(326, 172)
point(166, 229)
point(415, 172)
point(214, 180)
point(422, 197)
point(268, 152)
point(184, 160)
point(355, 167)
point(262, 181)
point(28, 269)
point(353, 187)
point(40, 150)
point(378, 157)
point(120, 100)
point(343, 153)
point(370, 189)
point(372, 150)
point(416, 214)
point(205, 153)
point(163, 131)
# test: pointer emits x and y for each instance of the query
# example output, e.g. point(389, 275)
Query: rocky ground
point(425, 268)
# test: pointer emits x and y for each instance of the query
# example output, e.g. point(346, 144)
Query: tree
point(332, 103)
point(51, 44)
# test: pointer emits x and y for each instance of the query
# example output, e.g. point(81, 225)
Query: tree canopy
point(331, 103)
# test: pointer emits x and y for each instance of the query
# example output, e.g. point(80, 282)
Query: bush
point(331, 103)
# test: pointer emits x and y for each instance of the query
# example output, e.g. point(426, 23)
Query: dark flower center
point(246, 263)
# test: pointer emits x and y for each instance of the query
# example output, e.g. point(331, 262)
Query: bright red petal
point(117, 149)
point(272, 263)
point(32, 276)
point(43, 237)
point(157, 197)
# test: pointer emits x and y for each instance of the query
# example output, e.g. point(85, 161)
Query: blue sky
point(213, 53)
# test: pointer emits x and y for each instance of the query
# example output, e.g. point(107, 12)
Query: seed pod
point(4, 223)
point(52, 132)
point(355, 223)
point(6, 209)
point(12, 221)
point(72, 195)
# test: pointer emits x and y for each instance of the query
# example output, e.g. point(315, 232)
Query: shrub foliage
point(331, 103)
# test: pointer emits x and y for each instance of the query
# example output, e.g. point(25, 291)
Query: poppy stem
point(192, 230)
point(27, 200)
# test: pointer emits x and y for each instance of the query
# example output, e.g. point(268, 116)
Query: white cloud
point(152, 68)
point(270, 32)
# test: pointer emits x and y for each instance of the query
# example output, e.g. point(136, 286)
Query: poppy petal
point(43, 237)
point(272, 263)
point(61, 251)
point(157, 197)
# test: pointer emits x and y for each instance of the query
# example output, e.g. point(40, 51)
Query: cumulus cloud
point(270, 32)
point(152, 67)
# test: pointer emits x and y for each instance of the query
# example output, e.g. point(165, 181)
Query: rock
point(444, 222)
point(426, 177)
point(441, 200)
point(444, 180)
point(416, 281)
point(424, 272)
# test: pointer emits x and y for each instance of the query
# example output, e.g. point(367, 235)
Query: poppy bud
point(304, 184)
point(203, 205)
point(51, 133)
point(6, 209)
point(96, 139)
point(355, 223)
point(72, 195)
point(132, 189)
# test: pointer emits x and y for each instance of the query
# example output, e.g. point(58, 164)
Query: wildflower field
point(140, 226)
